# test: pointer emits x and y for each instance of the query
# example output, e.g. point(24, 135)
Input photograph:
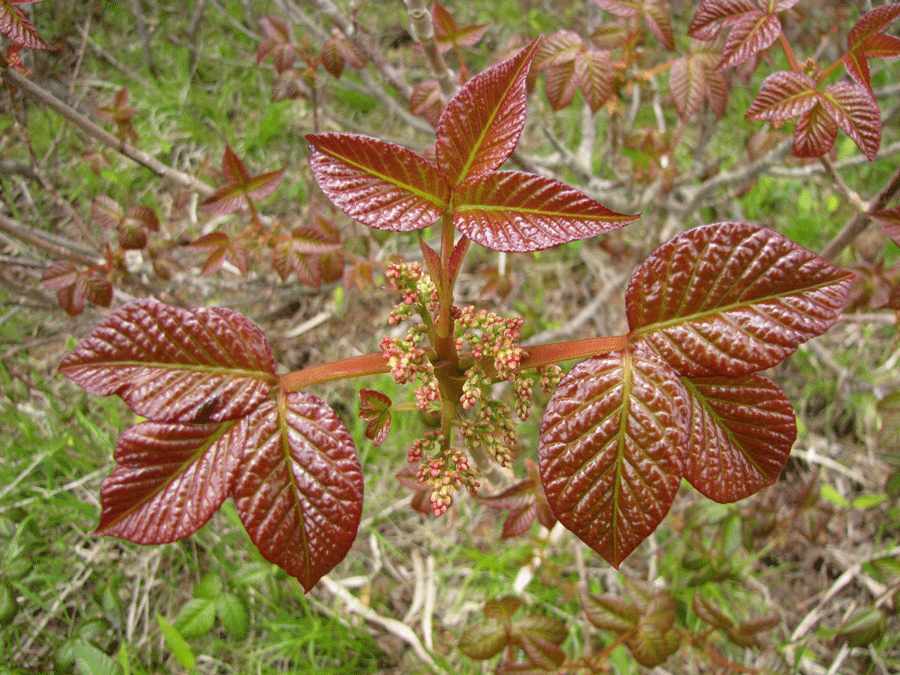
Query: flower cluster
point(488, 335)
point(445, 471)
point(420, 295)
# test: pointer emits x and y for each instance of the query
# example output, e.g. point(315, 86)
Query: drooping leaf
point(375, 408)
point(656, 637)
point(856, 112)
point(278, 42)
point(596, 75)
point(175, 365)
point(560, 84)
point(694, 78)
point(656, 16)
point(815, 133)
point(170, 479)
point(299, 486)
point(481, 125)
point(514, 211)
point(16, 25)
point(783, 95)
point(741, 433)
point(106, 211)
point(427, 100)
point(380, 184)
point(59, 274)
point(866, 40)
point(732, 298)
point(713, 15)
point(611, 450)
point(525, 501)
point(240, 186)
point(753, 33)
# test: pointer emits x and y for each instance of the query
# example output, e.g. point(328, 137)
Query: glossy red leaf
point(713, 15)
point(299, 486)
point(611, 450)
point(170, 480)
point(732, 298)
point(514, 211)
point(815, 133)
point(596, 75)
point(16, 25)
point(380, 184)
point(175, 365)
point(221, 247)
point(854, 109)
point(481, 125)
point(448, 34)
point(782, 96)
point(753, 33)
point(742, 431)
point(525, 501)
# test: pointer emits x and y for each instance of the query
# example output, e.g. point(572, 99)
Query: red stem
point(357, 366)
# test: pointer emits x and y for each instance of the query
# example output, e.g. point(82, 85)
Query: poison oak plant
point(677, 397)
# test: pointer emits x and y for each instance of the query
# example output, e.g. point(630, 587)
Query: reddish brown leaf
point(332, 57)
point(170, 480)
point(560, 84)
point(782, 96)
point(889, 221)
point(447, 34)
point(106, 211)
point(815, 133)
point(611, 450)
point(596, 75)
point(278, 42)
point(514, 211)
point(609, 36)
point(694, 78)
point(854, 109)
point(59, 274)
point(375, 408)
point(481, 125)
point(713, 15)
point(241, 187)
point(175, 365)
point(732, 298)
point(299, 487)
point(380, 184)
point(608, 612)
point(97, 289)
point(623, 8)
point(866, 40)
point(146, 217)
point(742, 431)
point(656, 636)
point(542, 653)
point(221, 247)
point(16, 25)
point(753, 33)
point(557, 48)
point(657, 19)
point(428, 101)
point(502, 608)
point(484, 640)
point(525, 501)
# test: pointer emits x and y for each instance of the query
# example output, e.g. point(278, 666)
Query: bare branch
point(96, 132)
point(423, 32)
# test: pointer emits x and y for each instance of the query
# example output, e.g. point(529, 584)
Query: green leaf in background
point(180, 649)
point(196, 618)
point(209, 588)
point(89, 660)
point(234, 616)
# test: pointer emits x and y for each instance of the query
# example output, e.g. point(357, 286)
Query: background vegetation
point(819, 551)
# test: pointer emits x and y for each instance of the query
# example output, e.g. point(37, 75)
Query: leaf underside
point(175, 365)
point(731, 299)
point(611, 450)
point(299, 487)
